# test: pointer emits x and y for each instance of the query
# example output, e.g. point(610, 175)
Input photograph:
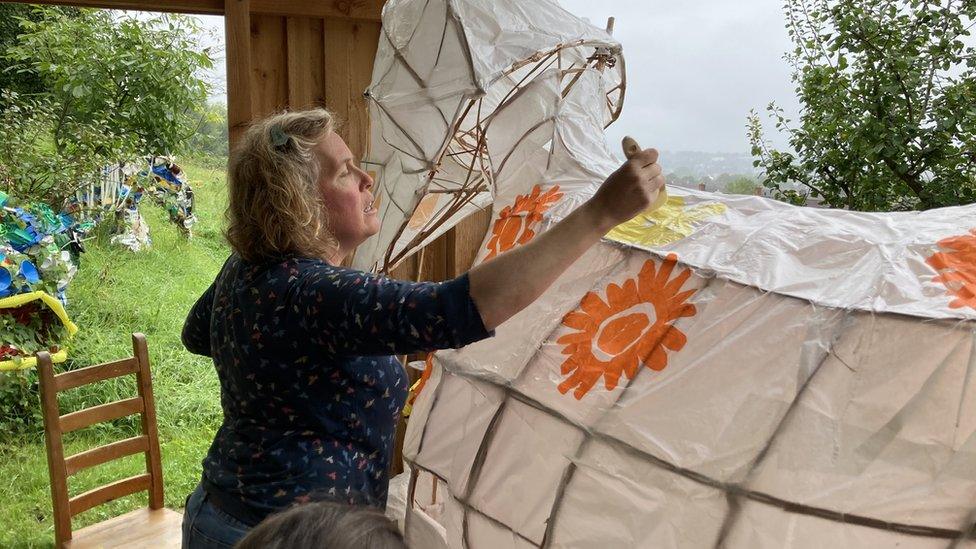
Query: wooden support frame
point(368, 10)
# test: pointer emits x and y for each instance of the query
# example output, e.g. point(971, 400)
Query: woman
point(303, 347)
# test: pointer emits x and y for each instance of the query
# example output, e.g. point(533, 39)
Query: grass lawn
point(115, 293)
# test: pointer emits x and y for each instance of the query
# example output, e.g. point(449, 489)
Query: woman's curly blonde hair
point(275, 208)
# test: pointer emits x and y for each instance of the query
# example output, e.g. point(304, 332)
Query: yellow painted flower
point(669, 223)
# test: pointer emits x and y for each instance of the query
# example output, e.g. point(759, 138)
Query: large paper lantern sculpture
point(448, 114)
point(725, 371)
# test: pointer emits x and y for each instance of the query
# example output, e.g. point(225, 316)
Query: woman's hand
point(631, 189)
point(508, 283)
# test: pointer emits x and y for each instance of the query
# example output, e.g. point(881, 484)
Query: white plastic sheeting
point(724, 371)
point(446, 74)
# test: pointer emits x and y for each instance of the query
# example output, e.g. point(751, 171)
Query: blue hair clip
point(278, 137)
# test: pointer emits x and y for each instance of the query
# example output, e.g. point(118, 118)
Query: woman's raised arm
point(503, 286)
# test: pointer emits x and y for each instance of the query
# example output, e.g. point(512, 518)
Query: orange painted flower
point(956, 265)
point(516, 224)
point(417, 387)
point(617, 335)
point(423, 212)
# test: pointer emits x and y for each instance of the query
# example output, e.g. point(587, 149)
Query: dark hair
point(325, 525)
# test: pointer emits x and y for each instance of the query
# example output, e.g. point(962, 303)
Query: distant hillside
point(699, 164)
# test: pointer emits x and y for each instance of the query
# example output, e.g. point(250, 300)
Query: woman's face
point(346, 193)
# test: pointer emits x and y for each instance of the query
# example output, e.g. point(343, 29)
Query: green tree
point(114, 88)
point(741, 185)
point(13, 78)
point(140, 76)
point(888, 94)
point(210, 137)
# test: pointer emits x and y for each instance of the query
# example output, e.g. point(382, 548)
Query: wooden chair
point(154, 526)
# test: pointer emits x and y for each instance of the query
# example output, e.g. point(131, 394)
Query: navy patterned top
point(309, 391)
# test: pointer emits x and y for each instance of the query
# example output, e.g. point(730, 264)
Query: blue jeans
point(206, 527)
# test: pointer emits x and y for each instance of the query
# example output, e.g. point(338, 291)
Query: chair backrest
point(55, 425)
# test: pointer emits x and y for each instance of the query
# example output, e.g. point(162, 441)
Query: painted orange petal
point(677, 282)
point(658, 360)
point(547, 200)
point(664, 273)
point(650, 340)
point(683, 296)
point(613, 372)
point(573, 348)
point(528, 235)
point(594, 306)
point(575, 338)
point(674, 339)
point(645, 281)
point(938, 261)
point(582, 379)
point(580, 320)
point(629, 363)
point(586, 384)
point(685, 310)
point(968, 301)
point(617, 297)
point(569, 365)
point(507, 232)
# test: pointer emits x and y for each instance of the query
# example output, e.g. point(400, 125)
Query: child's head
point(325, 525)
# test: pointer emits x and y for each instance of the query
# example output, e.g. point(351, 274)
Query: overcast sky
point(694, 69)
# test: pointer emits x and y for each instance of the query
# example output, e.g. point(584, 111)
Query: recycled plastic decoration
point(39, 252)
point(173, 193)
point(29, 323)
point(728, 371)
point(36, 266)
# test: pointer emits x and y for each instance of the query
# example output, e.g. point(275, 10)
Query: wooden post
point(237, 34)
point(55, 449)
point(153, 457)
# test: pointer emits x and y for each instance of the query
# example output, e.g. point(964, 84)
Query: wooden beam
point(237, 33)
point(369, 10)
point(196, 7)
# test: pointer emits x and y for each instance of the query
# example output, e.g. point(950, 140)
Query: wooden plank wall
point(299, 62)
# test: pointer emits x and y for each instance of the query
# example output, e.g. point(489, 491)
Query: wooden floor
point(140, 528)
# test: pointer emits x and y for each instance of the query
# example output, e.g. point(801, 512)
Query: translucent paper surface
point(724, 371)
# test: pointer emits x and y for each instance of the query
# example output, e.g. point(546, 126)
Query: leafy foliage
point(742, 185)
point(114, 87)
point(12, 78)
point(210, 138)
point(30, 166)
point(888, 90)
